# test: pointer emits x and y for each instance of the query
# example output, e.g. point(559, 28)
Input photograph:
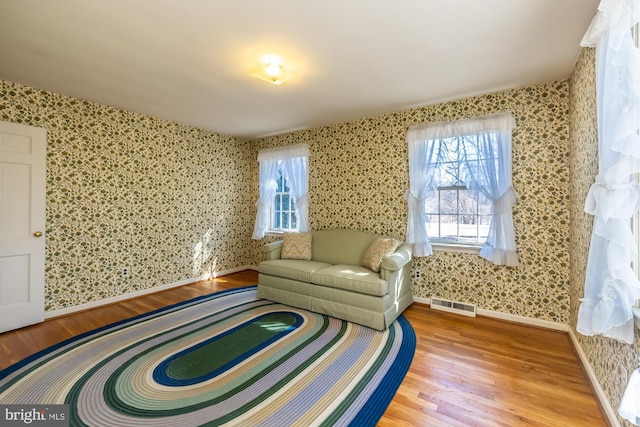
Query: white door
point(22, 216)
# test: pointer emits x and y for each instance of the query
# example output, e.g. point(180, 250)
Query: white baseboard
point(106, 301)
point(609, 412)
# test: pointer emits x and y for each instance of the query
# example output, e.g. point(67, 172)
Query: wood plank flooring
point(465, 372)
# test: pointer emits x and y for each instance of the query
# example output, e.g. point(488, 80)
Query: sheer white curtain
point(611, 286)
point(423, 153)
point(268, 175)
point(294, 162)
point(491, 175)
point(297, 173)
point(489, 138)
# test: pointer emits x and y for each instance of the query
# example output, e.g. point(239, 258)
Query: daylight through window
point(284, 207)
point(457, 213)
point(284, 190)
point(460, 191)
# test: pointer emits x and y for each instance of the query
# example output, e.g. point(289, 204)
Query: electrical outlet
point(418, 274)
point(125, 272)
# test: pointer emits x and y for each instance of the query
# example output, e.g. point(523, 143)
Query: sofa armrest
point(272, 250)
point(398, 259)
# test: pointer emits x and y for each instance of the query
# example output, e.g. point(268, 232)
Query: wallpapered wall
point(605, 355)
point(167, 200)
point(127, 190)
point(359, 174)
point(173, 202)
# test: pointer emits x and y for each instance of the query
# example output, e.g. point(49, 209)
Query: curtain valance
point(282, 153)
point(503, 122)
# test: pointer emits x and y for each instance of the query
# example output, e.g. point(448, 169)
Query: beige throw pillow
point(379, 248)
point(296, 246)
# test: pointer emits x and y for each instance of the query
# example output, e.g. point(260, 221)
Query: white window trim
point(458, 243)
point(499, 248)
point(467, 248)
point(281, 231)
point(296, 160)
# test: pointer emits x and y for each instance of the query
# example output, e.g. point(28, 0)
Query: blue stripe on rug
point(380, 399)
point(221, 358)
point(162, 374)
point(8, 370)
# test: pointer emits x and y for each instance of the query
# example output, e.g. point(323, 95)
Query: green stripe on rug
point(203, 360)
point(224, 358)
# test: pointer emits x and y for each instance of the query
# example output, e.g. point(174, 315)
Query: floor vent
point(453, 307)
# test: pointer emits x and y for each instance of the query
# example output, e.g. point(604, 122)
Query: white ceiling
point(190, 61)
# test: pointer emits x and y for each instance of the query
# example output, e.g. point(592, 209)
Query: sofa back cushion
point(340, 246)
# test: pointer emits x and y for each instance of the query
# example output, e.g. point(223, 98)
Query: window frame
point(494, 180)
point(449, 245)
point(294, 161)
point(292, 208)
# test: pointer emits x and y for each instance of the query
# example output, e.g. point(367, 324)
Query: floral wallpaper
point(172, 202)
point(606, 356)
point(359, 174)
point(124, 190)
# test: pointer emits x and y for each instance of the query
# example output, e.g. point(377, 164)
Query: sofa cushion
point(351, 278)
point(378, 249)
point(296, 246)
point(285, 291)
point(291, 268)
point(340, 246)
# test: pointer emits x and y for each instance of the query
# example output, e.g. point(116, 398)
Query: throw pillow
point(379, 248)
point(296, 246)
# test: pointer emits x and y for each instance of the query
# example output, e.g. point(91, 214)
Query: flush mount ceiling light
point(272, 71)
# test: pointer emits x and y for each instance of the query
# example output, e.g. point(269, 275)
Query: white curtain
point(611, 287)
point(293, 160)
point(491, 175)
point(297, 174)
point(423, 152)
point(489, 138)
point(629, 408)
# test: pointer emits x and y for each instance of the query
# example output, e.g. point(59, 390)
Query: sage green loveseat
point(335, 283)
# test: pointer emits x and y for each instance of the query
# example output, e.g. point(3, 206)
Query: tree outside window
point(284, 217)
point(457, 213)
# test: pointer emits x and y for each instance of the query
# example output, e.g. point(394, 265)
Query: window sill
point(279, 233)
point(453, 247)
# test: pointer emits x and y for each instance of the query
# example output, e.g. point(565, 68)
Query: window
point(284, 197)
point(284, 216)
point(457, 213)
point(460, 188)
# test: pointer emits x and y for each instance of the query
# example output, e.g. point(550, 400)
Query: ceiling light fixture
point(272, 71)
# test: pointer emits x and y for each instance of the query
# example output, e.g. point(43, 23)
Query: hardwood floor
point(465, 372)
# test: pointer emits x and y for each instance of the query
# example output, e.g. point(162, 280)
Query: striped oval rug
point(223, 359)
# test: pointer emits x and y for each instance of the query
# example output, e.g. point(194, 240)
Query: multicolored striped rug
point(222, 359)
